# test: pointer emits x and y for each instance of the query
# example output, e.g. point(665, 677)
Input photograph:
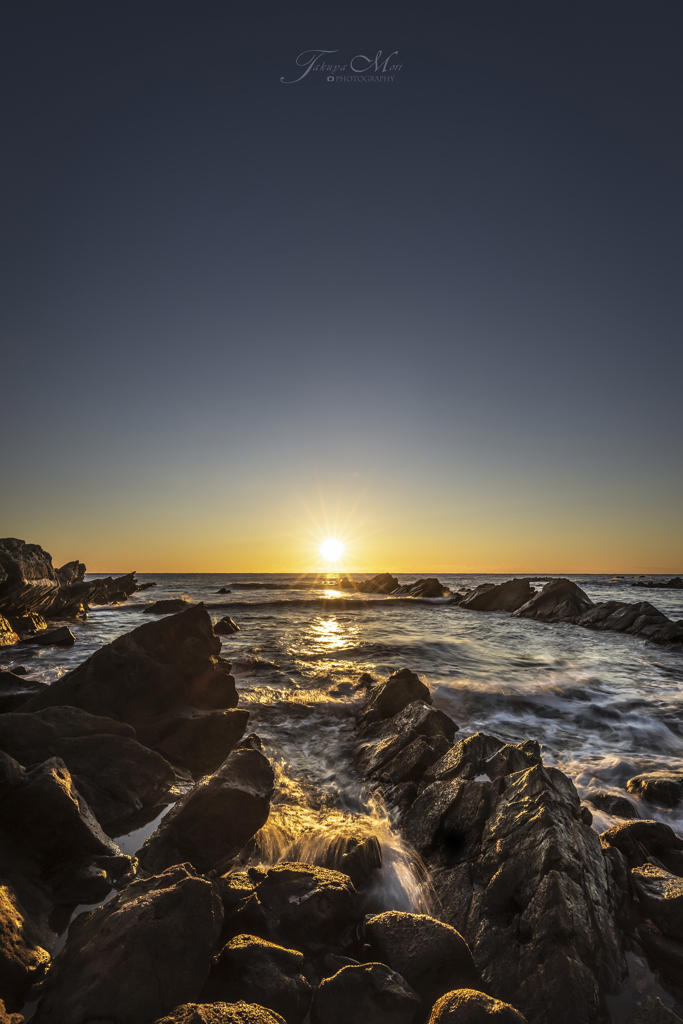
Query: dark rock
point(225, 627)
point(664, 954)
point(224, 590)
point(467, 1006)
point(653, 1011)
point(210, 825)
point(146, 586)
point(432, 956)
point(312, 907)
point(384, 583)
point(558, 601)
point(675, 583)
point(386, 699)
point(19, 670)
point(661, 898)
point(141, 954)
point(639, 841)
point(221, 1013)
point(665, 789)
point(361, 858)
point(113, 772)
point(363, 994)
point(612, 803)
point(639, 619)
point(112, 589)
point(392, 735)
point(173, 604)
point(23, 961)
point(71, 572)
point(28, 581)
point(47, 824)
point(422, 588)
point(7, 634)
point(253, 969)
point(365, 681)
point(500, 597)
point(61, 637)
point(148, 676)
point(201, 744)
point(15, 691)
point(485, 756)
point(30, 623)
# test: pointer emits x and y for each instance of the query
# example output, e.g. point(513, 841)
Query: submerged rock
point(22, 960)
point(365, 993)
point(558, 601)
point(61, 637)
point(466, 1006)
point(252, 969)
point(143, 953)
point(225, 626)
point(209, 826)
point(172, 604)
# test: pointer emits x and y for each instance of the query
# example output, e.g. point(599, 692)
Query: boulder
point(23, 961)
point(558, 601)
point(661, 898)
point(499, 597)
point(664, 789)
point(60, 637)
point(388, 698)
point(225, 627)
point(211, 824)
point(313, 907)
point(113, 772)
point(146, 677)
point(638, 841)
point(49, 827)
point(166, 607)
point(612, 803)
point(252, 969)
point(141, 954)
point(432, 956)
point(362, 994)
point(221, 1013)
point(467, 1006)
point(202, 743)
point(8, 637)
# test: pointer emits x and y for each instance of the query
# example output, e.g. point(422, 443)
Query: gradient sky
point(438, 317)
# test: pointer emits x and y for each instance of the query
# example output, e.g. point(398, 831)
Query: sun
point(331, 550)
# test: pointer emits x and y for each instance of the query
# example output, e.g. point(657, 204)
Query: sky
point(436, 316)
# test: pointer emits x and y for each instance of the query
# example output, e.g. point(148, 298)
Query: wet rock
point(143, 953)
point(558, 601)
point(661, 898)
point(211, 824)
point(23, 961)
point(49, 826)
point(422, 588)
point(19, 670)
point(173, 604)
point(483, 758)
point(7, 634)
point(653, 1011)
point(432, 956)
point(612, 803)
point(385, 739)
point(146, 586)
point(362, 994)
point(499, 597)
point(224, 590)
point(201, 744)
point(16, 690)
point(60, 637)
point(665, 789)
point(222, 1013)
point(640, 841)
point(252, 969)
point(365, 681)
point(313, 907)
point(386, 699)
point(30, 623)
point(113, 772)
point(361, 858)
point(146, 677)
point(225, 627)
point(467, 1006)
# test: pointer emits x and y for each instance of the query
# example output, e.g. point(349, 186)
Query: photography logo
point(360, 68)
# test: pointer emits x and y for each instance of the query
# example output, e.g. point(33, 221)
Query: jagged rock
point(386, 699)
point(383, 583)
point(146, 677)
point(558, 601)
point(201, 744)
point(7, 634)
point(612, 803)
point(22, 959)
point(653, 1011)
point(172, 604)
point(71, 572)
point(211, 824)
point(391, 736)
point(221, 1013)
point(28, 581)
point(483, 758)
point(30, 623)
point(141, 954)
point(499, 597)
point(225, 627)
point(640, 841)
point(636, 619)
point(661, 898)
point(61, 637)
point(113, 772)
point(467, 1006)
point(311, 906)
point(16, 690)
point(49, 826)
point(112, 589)
point(432, 956)
point(251, 969)
point(362, 994)
point(422, 588)
point(665, 789)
